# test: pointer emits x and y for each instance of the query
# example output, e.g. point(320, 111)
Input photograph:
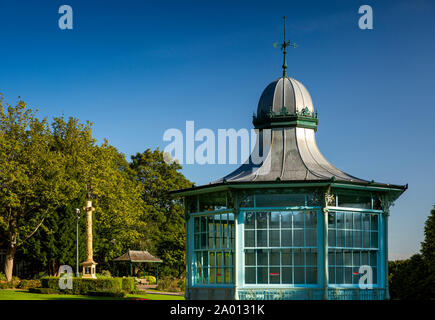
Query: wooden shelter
point(135, 256)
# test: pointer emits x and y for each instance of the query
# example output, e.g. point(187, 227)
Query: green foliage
point(150, 279)
point(46, 170)
point(108, 293)
point(27, 284)
point(44, 290)
point(2, 277)
point(84, 286)
point(414, 278)
point(171, 284)
point(106, 273)
point(129, 285)
point(164, 214)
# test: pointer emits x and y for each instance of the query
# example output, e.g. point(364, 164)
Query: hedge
point(116, 294)
point(44, 290)
point(84, 285)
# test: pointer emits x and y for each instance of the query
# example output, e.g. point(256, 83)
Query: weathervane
point(284, 46)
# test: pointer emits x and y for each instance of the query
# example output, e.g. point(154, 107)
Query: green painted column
point(324, 248)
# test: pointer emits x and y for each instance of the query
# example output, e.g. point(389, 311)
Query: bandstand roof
point(137, 256)
point(291, 154)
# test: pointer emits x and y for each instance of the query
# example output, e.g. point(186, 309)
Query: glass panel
point(262, 276)
point(311, 258)
point(373, 258)
point(356, 258)
point(331, 275)
point(204, 240)
point(299, 275)
point(339, 275)
point(374, 240)
point(214, 201)
point(339, 257)
point(262, 257)
point(366, 221)
point(374, 222)
point(364, 258)
point(286, 257)
point(274, 220)
point(286, 238)
point(311, 275)
point(287, 276)
point(354, 201)
point(299, 238)
point(262, 220)
point(250, 275)
point(250, 257)
point(274, 238)
point(349, 242)
point(331, 258)
point(311, 238)
point(196, 224)
point(348, 275)
point(347, 258)
point(279, 200)
point(366, 239)
point(357, 221)
point(275, 258)
point(250, 220)
point(286, 219)
point(311, 219)
point(331, 220)
point(348, 220)
point(192, 204)
point(357, 238)
point(249, 238)
point(299, 258)
point(298, 219)
point(247, 201)
point(274, 274)
point(261, 238)
point(340, 238)
point(340, 220)
point(331, 238)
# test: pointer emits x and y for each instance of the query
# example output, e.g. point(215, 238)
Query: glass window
point(213, 248)
point(358, 236)
point(279, 200)
point(282, 247)
point(354, 201)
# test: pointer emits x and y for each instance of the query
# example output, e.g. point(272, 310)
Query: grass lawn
point(25, 295)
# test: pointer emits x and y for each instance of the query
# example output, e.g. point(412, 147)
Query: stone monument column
point(89, 266)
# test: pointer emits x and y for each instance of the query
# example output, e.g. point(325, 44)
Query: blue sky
point(137, 68)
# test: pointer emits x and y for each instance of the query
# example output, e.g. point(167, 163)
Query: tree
point(31, 176)
point(414, 278)
point(117, 201)
point(163, 214)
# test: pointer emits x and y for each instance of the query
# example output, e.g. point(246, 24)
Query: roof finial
point(284, 46)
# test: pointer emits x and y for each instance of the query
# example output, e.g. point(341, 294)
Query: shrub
point(171, 284)
point(129, 285)
point(150, 279)
point(26, 284)
point(84, 285)
point(44, 290)
point(2, 277)
point(106, 273)
point(107, 293)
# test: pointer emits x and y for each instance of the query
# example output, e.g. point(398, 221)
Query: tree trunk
point(9, 263)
